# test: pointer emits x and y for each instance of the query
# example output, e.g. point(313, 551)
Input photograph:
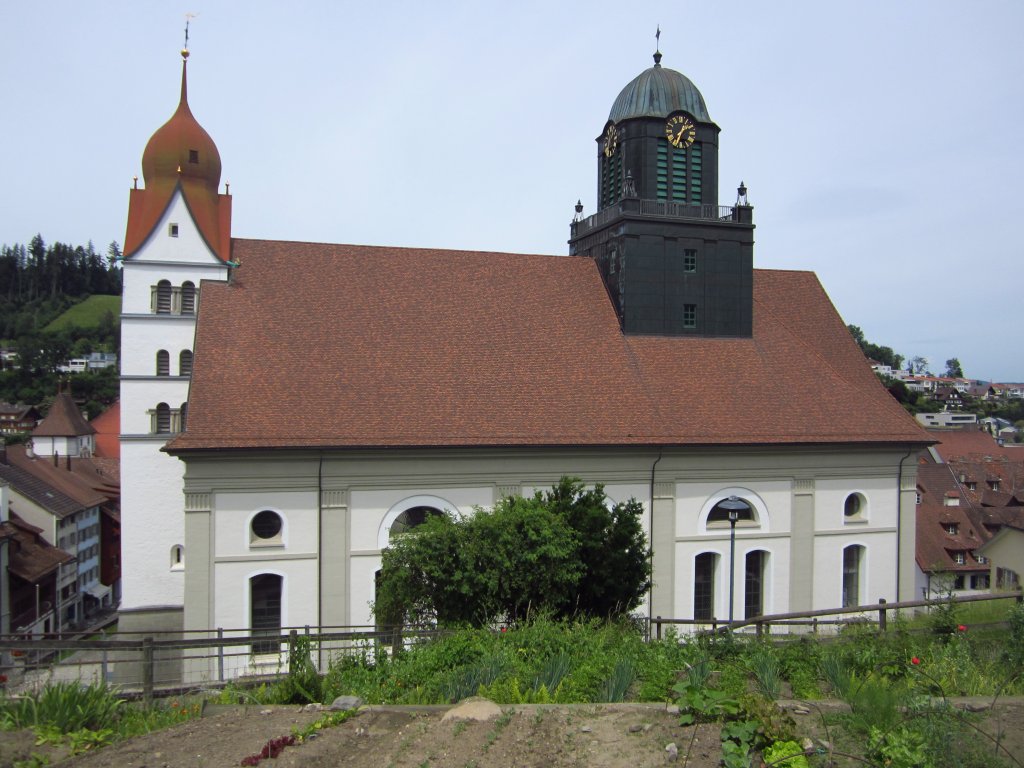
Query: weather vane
point(188, 19)
point(657, 38)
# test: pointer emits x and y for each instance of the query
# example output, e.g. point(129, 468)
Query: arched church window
point(412, 518)
point(853, 559)
point(265, 611)
point(163, 363)
point(720, 513)
point(185, 363)
point(163, 297)
point(705, 567)
point(188, 298)
point(183, 415)
point(754, 583)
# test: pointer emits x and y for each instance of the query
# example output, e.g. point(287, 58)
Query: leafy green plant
point(329, 720)
point(703, 705)
point(737, 743)
point(785, 754)
point(836, 672)
point(552, 670)
point(767, 671)
point(67, 706)
point(897, 747)
point(467, 680)
point(772, 723)
point(617, 684)
point(85, 740)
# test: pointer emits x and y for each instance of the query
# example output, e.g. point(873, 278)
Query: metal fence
point(146, 665)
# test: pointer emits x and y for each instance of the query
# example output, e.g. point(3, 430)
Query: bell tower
point(178, 237)
point(674, 261)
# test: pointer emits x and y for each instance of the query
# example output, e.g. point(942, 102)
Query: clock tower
point(675, 262)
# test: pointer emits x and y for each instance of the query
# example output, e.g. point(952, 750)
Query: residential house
point(17, 418)
point(29, 573)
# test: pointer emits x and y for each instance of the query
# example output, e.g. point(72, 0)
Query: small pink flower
point(504, 629)
point(961, 628)
point(915, 661)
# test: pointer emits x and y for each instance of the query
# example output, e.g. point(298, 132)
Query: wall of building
point(798, 494)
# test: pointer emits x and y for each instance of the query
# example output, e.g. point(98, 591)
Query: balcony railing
point(662, 209)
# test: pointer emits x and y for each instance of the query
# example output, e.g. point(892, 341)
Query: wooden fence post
point(147, 670)
point(220, 654)
point(882, 625)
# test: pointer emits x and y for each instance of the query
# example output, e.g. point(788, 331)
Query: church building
point(288, 407)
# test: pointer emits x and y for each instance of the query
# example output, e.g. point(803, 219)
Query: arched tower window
point(184, 415)
point(188, 298)
point(185, 363)
point(163, 418)
point(163, 363)
point(163, 297)
point(265, 609)
point(177, 557)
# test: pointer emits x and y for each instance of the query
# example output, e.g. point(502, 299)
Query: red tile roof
point(316, 345)
point(63, 420)
point(31, 557)
point(108, 432)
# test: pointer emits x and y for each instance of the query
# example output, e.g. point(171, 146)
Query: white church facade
point(287, 406)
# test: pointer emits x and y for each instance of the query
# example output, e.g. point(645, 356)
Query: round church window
point(266, 525)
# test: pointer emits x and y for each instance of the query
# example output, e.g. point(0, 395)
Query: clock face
point(680, 131)
point(611, 140)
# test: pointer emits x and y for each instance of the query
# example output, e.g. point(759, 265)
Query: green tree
point(565, 552)
point(953, 368)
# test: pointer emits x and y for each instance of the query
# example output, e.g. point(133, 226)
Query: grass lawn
point(88, 313)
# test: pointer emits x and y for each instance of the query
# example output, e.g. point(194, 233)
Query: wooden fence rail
point(45, 654)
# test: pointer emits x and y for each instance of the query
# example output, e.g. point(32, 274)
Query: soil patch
point(527, 736)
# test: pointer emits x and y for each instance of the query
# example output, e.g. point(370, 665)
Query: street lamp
point(733, 505)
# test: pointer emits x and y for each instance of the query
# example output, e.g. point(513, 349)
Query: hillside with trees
point(58, 301)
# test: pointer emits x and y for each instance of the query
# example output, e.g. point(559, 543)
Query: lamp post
point(733, 505)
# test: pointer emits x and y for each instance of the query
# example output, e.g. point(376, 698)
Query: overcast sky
point(880, 140)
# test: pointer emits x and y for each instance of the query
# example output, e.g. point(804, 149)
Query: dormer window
point(193, 155)
point(972, 486)
point(959, 558)
point(172, 230)
point(994, 485)
point(951, 528)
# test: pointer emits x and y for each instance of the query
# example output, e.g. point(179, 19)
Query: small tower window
point(689, 315)
point(163, 418)
point(177, 557)
point(193, 155)
point(163, 363)
point(690, 260)
point(172, 230)
point(163, 297)
point(188, 298)
point(185, 363)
